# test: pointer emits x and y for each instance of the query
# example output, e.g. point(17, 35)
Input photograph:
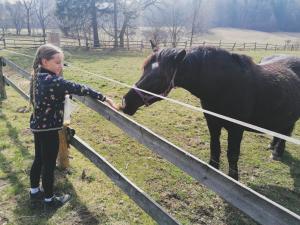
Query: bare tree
point(130, 11)
point(155, 27)
point(28, 4)
point(196, 6)
point(43, 12)
point(16, 13)
point(115, 23)
point(175, 19)
point(94, 23)
point(3, 19)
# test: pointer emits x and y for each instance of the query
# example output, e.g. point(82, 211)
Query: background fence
point(33, 42)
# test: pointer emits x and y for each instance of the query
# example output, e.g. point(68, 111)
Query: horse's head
point(159, 71)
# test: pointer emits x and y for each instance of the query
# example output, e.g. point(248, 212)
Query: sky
point(11, 1)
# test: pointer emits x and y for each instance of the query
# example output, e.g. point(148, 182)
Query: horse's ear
point(180, 55)
point(153, 46)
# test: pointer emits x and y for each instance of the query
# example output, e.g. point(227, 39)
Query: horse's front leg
point(279, 147)
point(215, 148)
point(234, 143)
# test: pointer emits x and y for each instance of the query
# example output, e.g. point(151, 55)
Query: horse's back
point(272, 58)
point(281, 61)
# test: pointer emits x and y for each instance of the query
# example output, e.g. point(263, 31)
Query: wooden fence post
point(233, 46)
point(254, 46)
point(267, 46)
point(4, 43)
point(2, 82)
point(142, 45)
point(63, 153)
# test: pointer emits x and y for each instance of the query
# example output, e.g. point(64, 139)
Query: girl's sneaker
point(57, 201)
point(39, 196)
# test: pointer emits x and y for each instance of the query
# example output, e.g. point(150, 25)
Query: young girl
point(47, 94)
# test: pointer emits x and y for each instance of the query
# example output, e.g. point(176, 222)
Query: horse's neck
point(187, 79)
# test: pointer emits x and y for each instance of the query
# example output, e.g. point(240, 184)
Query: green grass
point(97, 200)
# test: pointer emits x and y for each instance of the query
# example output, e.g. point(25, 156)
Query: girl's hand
point(111, 103)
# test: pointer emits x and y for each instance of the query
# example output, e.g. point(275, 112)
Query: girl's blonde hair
point(43, 52)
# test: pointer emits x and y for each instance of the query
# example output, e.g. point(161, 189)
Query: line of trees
point(27, 13)
point(161, 20)
point(116, 18)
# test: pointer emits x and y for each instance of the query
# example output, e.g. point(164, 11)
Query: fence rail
point(8, 42)
point(255, 205)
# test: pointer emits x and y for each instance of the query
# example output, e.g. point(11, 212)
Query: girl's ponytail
point(35, 66)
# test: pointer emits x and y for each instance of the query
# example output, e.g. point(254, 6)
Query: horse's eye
point(155, 65)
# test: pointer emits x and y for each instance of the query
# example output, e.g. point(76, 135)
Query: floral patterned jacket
point(49, 99)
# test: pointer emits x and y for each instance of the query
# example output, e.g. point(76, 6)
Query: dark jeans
point(46, 150)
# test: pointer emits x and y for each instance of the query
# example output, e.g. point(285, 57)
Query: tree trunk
point(95, 25)
point(28, 22)
point(196, 5)
point(193, 28)
point(127, 37)
point(122, 33)
point(78, 38)
point(115, 24)
point(44, 33)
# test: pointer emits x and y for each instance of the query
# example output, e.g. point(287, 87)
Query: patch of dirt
point(23, 109)
point(202, 214)
point(3, 183)
point(3, 220)
point(26, 131)
point(171, 200)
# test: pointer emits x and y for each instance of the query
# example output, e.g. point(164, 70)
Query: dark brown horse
point(266, 94)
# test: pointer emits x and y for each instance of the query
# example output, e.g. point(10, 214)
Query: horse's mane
point(203, 53)
point(147, 60)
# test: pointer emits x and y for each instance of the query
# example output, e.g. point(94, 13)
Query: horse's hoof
point(234, 176)
point(275, 157)
point(214, 164)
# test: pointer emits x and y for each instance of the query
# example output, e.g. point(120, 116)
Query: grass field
point(96, 200)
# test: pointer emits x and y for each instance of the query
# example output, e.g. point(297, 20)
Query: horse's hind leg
point(273, 143)
point(280, 145)
point(215, 148)
point(233, 152)
point(278, 150)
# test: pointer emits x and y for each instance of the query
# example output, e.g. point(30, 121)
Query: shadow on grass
point(286, 197)
point(24, 211)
